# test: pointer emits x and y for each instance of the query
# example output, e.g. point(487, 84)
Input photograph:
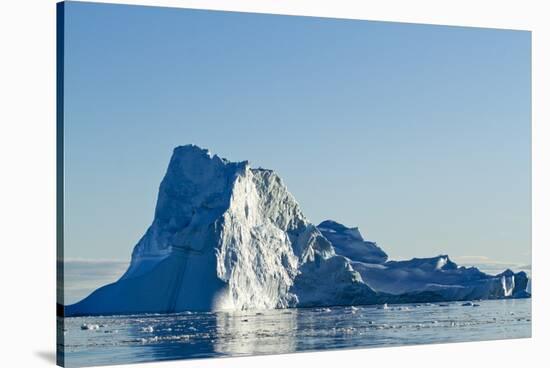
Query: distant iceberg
point(226, 236)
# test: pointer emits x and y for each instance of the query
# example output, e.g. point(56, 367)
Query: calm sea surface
point(141, 338)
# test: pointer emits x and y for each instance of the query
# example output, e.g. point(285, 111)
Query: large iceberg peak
point(195, 190)
point(226, 236)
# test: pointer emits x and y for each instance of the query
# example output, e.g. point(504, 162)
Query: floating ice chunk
point(89, 326)
point(385, 306)
point(402, 308)
point(148, 329)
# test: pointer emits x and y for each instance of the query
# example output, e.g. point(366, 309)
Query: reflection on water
point(265, 332)
point(138, 338)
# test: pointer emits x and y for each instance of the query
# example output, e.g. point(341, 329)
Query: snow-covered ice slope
point(440, 279)
point(226, 236)
point(419, 279)
point(350, 243)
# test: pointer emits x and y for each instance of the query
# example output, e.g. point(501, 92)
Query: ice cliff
point(226, 236)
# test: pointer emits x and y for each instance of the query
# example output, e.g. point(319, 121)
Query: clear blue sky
point(418, 134)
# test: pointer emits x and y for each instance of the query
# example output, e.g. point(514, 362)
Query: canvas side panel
point(60, 40)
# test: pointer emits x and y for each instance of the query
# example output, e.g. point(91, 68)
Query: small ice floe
point(89, 326)
point(325, 310)
point(402, 309)
point(354, 309)
point(385, 306)
point(147, 329)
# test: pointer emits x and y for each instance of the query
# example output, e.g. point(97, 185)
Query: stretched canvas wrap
point(234, 184)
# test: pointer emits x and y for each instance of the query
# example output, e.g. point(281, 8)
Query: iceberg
point(226, 236)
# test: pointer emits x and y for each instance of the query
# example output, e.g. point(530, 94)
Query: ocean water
point(142, 338)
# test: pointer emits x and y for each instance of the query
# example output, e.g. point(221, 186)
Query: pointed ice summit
point(226, 236)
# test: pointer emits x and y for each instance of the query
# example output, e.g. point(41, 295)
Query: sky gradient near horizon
point(418, 134)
